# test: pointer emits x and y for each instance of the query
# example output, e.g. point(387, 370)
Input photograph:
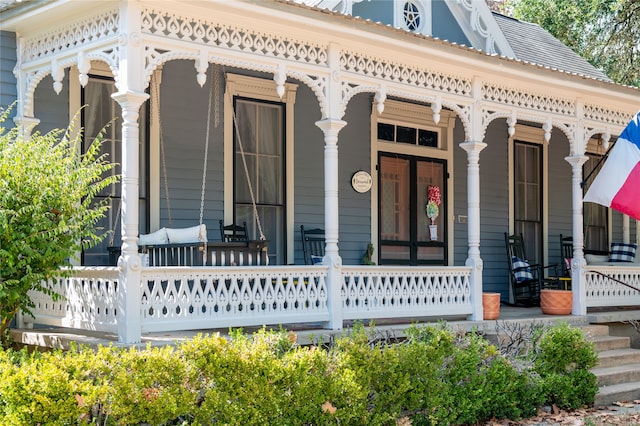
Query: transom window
point(408, 135)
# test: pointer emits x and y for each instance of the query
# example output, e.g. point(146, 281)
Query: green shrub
point(563, 361)
point(436, 376)
point(48, 210)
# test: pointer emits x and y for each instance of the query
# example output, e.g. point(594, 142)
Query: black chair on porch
point(566, 255)
point(312, 245)
point(233, 233)
point(526, 279)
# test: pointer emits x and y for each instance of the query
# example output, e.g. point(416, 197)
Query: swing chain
point(206, 145)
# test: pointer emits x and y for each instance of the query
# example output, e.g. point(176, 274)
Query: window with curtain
point(260, 169)
point(527, 191)
point(595, 215)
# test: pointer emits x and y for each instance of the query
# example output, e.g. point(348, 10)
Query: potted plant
point(556, 302)
point(490, 306)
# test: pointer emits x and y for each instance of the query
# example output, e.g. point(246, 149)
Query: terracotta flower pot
point(490, 306)
point(556, 302)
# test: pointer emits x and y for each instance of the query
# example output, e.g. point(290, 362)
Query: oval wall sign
point(361, 181)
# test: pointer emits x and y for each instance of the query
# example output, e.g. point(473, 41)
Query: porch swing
point(189, 246)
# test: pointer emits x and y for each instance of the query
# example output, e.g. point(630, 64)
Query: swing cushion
point(193, 234)
point(154, 238)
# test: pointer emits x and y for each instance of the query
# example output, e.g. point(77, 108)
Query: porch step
point(617, 374)
point(618, 369)
point(607, 395)
point(616, 357)
point(608, 343)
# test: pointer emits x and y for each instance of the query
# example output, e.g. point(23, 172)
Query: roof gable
point(532, 43)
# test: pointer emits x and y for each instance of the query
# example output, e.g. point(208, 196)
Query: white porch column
point(331, 128)
point(129, 323)
point(578, 262)
point(130, 96)
point(473, 225)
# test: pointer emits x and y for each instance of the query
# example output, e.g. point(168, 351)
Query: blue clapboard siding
point(308, 166)
point(494, 208)
point(50, 108)
point(560, 204)
point(183, 118)
point(460, 204)
point(354, 154)
point(8, 88)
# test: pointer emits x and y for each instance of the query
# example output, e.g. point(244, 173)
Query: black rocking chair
point(526, 279)
point(312, 245)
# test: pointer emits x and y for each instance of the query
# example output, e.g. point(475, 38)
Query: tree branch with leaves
point(48, 210)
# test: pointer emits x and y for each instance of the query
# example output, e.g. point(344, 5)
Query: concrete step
point(617, 357)
point(607, 395)
point(607, 343)
point(617, 374)
point(592, 330)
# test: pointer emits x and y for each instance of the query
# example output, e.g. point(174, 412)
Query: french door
point(407, 235)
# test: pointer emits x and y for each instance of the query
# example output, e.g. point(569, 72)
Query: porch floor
point(59, 337)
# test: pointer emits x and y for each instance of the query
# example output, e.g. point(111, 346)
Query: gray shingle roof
point(531, 43)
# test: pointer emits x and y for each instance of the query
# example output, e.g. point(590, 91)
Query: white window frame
point(260, 89)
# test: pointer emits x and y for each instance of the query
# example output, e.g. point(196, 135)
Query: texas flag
point(618, 182)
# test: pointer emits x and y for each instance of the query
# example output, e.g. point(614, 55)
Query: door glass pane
point(395, 253)
point(430, 177)
point(394, 201)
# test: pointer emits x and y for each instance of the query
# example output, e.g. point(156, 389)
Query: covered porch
point(332, 86)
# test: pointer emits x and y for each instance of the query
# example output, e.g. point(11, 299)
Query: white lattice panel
point(77, 34)
point(532, 101)
point(605, 115)
point(188, 298)
point(222, 35)
point(401, 73)
point(89, 300)
point(602, 291)
point(392, 292)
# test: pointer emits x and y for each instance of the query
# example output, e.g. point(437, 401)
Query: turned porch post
point(578, 261)
point(332, 258)
point(473, 228)
point(130, 96)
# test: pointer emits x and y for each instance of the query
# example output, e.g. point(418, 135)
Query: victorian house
point(414, 133)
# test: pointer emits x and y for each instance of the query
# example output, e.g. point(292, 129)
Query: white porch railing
point(88, 302)
point(602, 291)
point(394, 292)
point(184, 298)
point(191, 298)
